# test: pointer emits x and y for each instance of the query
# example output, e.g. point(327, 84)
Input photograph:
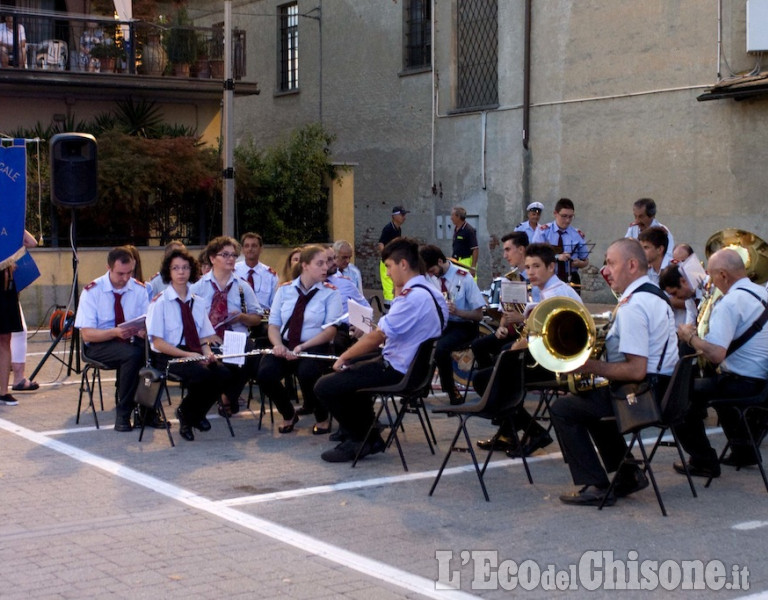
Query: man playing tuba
point(743, 364)
point(640, 345)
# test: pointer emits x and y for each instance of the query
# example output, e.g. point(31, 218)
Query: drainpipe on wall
point(526, 176)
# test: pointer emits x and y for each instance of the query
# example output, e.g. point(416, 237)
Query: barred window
point(289, 47)
point(478, 51)
point(418, 33)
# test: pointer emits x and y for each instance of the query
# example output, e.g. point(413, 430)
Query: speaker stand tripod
point(68, 326)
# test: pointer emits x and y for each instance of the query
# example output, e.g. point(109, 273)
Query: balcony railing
point(48, 41)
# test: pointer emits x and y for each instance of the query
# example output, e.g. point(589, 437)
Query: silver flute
point(251, 353)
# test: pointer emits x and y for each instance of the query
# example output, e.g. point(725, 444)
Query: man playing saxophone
point(640, 345)
point(741, 354)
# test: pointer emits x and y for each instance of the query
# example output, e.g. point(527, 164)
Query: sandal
point(25, 385)
point(289, 428)
point(320, 430)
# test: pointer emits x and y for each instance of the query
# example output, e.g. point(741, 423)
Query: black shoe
point(711, 471)
point(158, 422)
point(456, 399)
point(374, 445)
point(589, 495)
point(535, 442)
point(344, 452)
point(185, 430)
point(630, 482)
point(502, 444)
point(203, 425)
point(338, 436)
point(740, 459)
point(123, 424)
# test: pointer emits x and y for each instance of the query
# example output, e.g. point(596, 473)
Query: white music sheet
point(234, 343)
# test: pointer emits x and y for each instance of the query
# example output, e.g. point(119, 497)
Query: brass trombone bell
point(752, 249)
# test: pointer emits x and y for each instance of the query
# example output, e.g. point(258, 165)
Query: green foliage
point(281, 192)
point(181, 39)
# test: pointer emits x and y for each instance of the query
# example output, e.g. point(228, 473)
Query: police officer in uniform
point(465, 246)
point(390, 232)
point(571, 249)
point(302, 319)
point(743, 369)
point(114, 298)
point(532, 224)
point(178, 327)
point(417, 314)
point(641, 344)
point(465, 310)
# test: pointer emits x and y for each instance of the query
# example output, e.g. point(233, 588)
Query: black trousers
point(205, 383)
point(692, 432)
point(274, 369)
point(129, 358)
point(352, 409)
point(485, 349)
point(455, 335)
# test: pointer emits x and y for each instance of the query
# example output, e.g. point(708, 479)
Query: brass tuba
point(754, 253)
point(562, 335)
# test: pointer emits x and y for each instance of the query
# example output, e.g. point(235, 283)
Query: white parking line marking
point(369, 567)
point(747, 525)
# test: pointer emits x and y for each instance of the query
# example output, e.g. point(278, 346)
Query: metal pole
point(228, 201)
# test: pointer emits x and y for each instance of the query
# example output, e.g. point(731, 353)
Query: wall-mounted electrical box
point(757, 25)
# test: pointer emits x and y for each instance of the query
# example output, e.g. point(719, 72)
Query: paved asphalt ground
point(94, 513)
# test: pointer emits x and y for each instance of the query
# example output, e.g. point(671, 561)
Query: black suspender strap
point(753, 329)
point(437, 306)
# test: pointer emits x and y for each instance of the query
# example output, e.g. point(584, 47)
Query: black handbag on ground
point(150, 381)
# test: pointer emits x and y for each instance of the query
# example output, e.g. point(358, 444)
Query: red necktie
point(119, 315)
point(219, 311)
point(190, 330)
point(562, 272)
point(250, 279)
point(296, 322)
point(443, 287)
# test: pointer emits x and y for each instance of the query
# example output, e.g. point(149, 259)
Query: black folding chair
point(744, 407)
point(505, 392)
point(673, 407)
point(149, 394)
point(90, 379)
point(411, 391)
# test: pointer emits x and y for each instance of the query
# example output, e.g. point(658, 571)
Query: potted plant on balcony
point(202, 69)
point(181, 44)
point(217, 53)
point(108, 53)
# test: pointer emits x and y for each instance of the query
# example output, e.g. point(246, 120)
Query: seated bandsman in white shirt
point(261, 278)
point(115, 298)
point(741, 353)
point(230, 302)
point(178, 327)
point(465, 310)
point(540, 267)
point(343, 251)
point(654, 241)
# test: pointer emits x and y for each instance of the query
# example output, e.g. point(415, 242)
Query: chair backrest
point(677, 398)
point(506, 388)
point(419, 374)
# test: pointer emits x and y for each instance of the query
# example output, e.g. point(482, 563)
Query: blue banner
point(13, 198)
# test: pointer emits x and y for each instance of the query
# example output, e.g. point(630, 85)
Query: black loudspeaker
point(73, 170)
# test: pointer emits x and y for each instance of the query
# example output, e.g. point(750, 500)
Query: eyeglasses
point(180, 268)
point(536, 210)
point(227, 255)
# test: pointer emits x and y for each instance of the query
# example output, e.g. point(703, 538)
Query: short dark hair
point(217, 244)
point(403, 248)
point(564, 203)
point(544, 251)
point(165, 267)
point(670, 277)
point(657, 236)
point(519, 238)
point(648, 204)
point(431, 255)
point(248, 235)
point(121, 254)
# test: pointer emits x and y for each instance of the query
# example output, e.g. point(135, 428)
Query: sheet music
point(514, 292)
point(134, 325)
point(234, 343)
point(693, 271)
point(360, 316)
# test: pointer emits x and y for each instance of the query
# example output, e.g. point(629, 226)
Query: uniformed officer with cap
point(390, 232)
point(534, 214)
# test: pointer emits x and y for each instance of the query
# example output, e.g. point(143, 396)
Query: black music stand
point(69, 322)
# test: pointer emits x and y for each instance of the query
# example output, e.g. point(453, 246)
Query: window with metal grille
point(418, 33)
point(477, 47)
point(289, 47)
